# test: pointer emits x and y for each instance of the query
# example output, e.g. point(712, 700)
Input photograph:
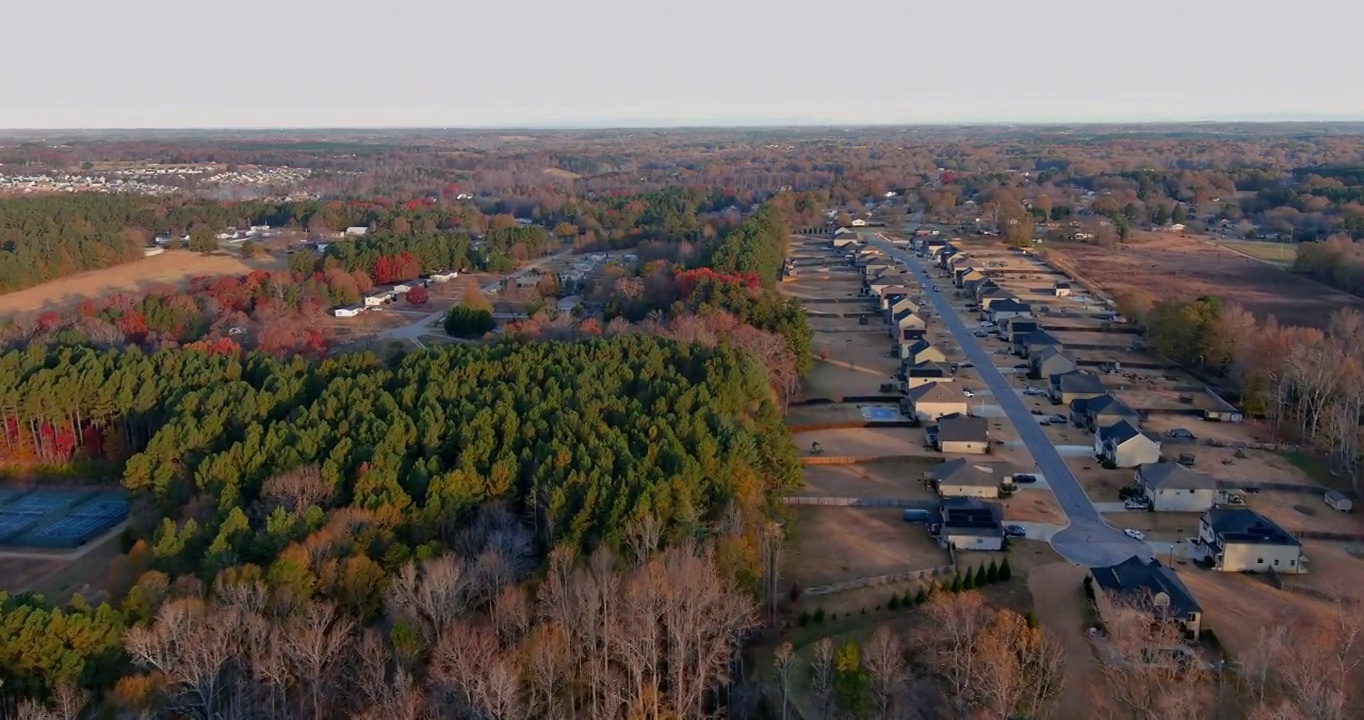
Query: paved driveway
point(1089, 540)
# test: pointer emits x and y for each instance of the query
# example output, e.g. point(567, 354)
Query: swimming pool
point(880, 413)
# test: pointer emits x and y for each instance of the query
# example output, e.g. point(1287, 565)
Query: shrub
point(956, 585)
point(894, 603)
point(463, 322)
point(804, 618)
point(819, 615)
point(1032, 618)
point(1004, 571)
point(921, 597)
point(992, 573)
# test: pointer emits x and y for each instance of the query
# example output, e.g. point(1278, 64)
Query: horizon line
point(635, 124)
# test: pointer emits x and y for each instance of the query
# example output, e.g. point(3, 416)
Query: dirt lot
point(1100, 485)
point(59, 575)
point(891, 479)
point(1166, 265)
point(173, 267)
point(1033, 505)
point(835, 544)
point(836, 379)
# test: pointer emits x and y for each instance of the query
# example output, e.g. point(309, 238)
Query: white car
point(1134, 534)
point(968, 393)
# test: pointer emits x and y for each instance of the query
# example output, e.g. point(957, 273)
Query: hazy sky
point(340, 63)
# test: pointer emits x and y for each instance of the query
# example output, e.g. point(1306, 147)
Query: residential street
point(1088, 540)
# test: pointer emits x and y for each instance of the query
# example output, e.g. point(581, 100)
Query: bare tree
point(296, 490)
point(1022, 671)
point(1149, 668)
point(431, 598)
point(822, 676)
point(191, 648)
point(783, 662)
point(955, 621)
point(885, 668)
point(315, 642)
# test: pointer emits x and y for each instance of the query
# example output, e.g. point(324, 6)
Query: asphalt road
point(1088, 540)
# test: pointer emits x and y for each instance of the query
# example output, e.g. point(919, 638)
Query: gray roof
point(964, 472)
point(1119, 432)
point(1010, 305)
point(936, 392)
point(962, 428)
point(1078, 382)
point(919, 347)
point(1038, 337)
point(1174, 476)
point(1247, 526)
point(1105, 405)
point(928, 368)
point(1137, 579)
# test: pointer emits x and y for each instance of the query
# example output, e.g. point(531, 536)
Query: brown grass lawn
point(1101, 485)
point(1033, 505)
point(866, 442)
point(62, 574)
point(834, 544)
point(1237, 605)
point(1058, 596)
point(174, 268)
point(1300, 511)
point(892, 479)
point(1161, 527)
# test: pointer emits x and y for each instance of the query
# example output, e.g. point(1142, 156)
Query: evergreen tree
point(1004, 571)
point(921, 597)
point(957, 583)
point(992, 573)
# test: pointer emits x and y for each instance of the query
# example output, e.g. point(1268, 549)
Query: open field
point(836, 544)
point(866, 442)
point(838, 378)
point(1166, 265)
point(1058, 594)
point(891, 479)
point(59, 574)
point(1300, 511)
point(1281, 254)
point(173, 267)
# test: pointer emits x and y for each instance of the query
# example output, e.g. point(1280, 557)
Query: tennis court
point(59, 518)
point(880, 413)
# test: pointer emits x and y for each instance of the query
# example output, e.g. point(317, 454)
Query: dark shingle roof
point(1038, 337)
point(1109, 405)
point(962, 428)
point(1010, 305)
point(1078, 382)
point(919, 347)
point(927, 368)
point(1247, 526)
point(1137, 579)
point(1174, 476)
point(963, 472)
point(936, 392)
point(1119, 432)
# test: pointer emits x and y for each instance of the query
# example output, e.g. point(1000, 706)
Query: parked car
point(1030, 390)
point(1044, 421)
point(1179, 433)
point(1025, 479)
point(966, 364)
point(1057, 418)
point(1134, 505)
point(1015, 531)
point(1134, 534)
point(914, 515)
point(1022, 366)
point(968, 393)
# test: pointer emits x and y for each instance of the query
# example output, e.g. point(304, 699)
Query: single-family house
point(1061, 288)
point(872, 270)
point(1171, 487)
point(1074, 385)
point(1027, 343)
point(963, 478)
point(969, 523)
point(961, 276)
point(895, 302)
point(1101, 411)
point(1008, 327)
point(926, 372)
point(893, 291)
point(932, 400)
point(987, 288)
point(1049, 361)
point(945, 257)
point(908, 337)
point(569, 304)
point(402, 287)
point(906, 320)
point(1145, 586)
point(921, 351)
point(1124, 446)
point(960, 434)
point(1007, 308)
point(859, 222)
point(1242, 540)
point(377, 298)
point(348, 311)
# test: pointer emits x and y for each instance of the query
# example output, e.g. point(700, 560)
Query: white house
point(377, 299)
point(962, 478)
point(1242, 540)
point(1123, 445)
point(356, 231)
point(1171, 487)
point(349, 311)
point(401, 288)
point(444, 276)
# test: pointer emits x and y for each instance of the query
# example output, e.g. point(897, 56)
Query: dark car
point(1180, 433)
point(862, 320)
point(1022, 366)
point(1025, 479)
point(1016, 531)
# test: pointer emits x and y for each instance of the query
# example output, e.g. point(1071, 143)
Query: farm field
point(173, 267)
point(1165, 265)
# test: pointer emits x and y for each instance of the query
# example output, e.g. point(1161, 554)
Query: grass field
point(172, 268)
point(1282, 254)
point(836, 544)
point(58, 575)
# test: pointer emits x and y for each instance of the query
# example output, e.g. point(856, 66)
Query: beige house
point(962, 478)
point(1147, 589)
point(906, 320)
point(921, 352)
point(960, 434)
point(1242, 540)
point(1049, 361)
point(1171, 487)
point(1123, 445)
point(931, 401)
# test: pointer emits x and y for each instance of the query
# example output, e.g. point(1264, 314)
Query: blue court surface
point(58, 518)
point(881, 413)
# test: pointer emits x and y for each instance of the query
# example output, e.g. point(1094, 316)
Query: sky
point(613, 63)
